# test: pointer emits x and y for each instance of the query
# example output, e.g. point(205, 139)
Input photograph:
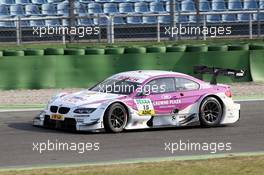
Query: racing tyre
point(34, 52)
point(114, 50)
point(13, 53)
point(94, 51)
point(115, 118)
point(197, 48)
point(211, 112)
point(217, 48)
point(131, 50)
point(74, 51)
point(236, 47)
point(256, 46)
point(156, 49)
point(54, 51)
point(176, 48)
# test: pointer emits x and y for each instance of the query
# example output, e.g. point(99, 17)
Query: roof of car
point(152, 73)
point(143, 75)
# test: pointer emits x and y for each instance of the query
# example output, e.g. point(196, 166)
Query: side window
point(160, 85)
point(183, 84)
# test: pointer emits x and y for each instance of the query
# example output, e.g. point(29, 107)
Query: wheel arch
point(219, 100)
point(109, 106)
point(212, 95)
point(121, 103)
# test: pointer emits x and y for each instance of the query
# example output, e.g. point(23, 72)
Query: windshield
point(115, 86)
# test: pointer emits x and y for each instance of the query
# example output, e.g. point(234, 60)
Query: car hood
point(85, 97)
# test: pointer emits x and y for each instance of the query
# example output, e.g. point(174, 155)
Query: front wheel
point(115, 118)
point(211, 112)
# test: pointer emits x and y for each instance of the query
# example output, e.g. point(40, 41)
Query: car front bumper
point(69, 123)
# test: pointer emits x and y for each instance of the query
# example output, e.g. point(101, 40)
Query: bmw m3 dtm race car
point(144, 99)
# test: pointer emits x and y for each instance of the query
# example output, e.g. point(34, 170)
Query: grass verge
point(244, 165)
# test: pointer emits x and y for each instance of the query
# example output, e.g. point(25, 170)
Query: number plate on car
point(57, 117)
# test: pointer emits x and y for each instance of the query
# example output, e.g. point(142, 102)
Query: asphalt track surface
point(17, 136)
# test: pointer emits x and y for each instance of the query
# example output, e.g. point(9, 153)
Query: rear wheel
point(115, 118)
point(211, 112)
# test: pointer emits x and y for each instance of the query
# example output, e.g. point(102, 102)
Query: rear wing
point(215, 71)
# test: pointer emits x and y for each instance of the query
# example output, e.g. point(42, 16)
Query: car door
point(161, 92)
point(187, 92)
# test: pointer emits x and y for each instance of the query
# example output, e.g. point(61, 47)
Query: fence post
point(110, 30)
point(100, 30)
point(71, 17)
point(178, 25)
point(197, 6)
point(204, 25)
point(258, 13)
point(18, 30)
point(250, 26)
point(63, 38)
point(173, 17)
point(158, 32)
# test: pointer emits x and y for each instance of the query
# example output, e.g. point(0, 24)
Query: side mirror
point(140, 94)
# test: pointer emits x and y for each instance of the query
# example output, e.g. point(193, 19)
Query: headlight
point(84, 110)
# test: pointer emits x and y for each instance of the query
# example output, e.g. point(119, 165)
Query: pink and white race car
point(144, 99)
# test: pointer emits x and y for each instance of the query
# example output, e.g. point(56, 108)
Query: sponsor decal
point(138, 123)
point(230, 115)
point(74, 99)
point(183, 119)
point(132, 79)
point(78, 98)
point(57, 117)
point(166, 102)
point(83, 97)
point(89, 94)
point(71, 100)
point(166, 97)
point(144, 107)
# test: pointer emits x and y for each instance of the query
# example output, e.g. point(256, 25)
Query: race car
point(144, 99)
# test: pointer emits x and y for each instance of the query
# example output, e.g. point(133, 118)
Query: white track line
point(20, 110)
